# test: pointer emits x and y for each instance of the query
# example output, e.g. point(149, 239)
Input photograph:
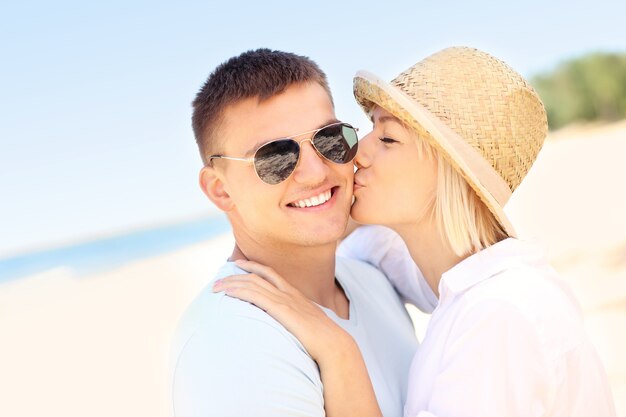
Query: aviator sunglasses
point(276, 160)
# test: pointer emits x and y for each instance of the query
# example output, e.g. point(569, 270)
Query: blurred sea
point(102, 254)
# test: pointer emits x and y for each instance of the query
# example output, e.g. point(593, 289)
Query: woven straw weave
point(481, 99)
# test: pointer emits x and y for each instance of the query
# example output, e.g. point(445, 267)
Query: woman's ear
point(213, 186)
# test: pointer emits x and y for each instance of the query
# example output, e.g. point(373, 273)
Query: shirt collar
point(490, 261)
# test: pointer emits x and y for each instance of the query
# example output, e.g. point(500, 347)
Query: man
point(288, 203)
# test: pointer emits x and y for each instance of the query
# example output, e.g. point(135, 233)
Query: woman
point(453, 137)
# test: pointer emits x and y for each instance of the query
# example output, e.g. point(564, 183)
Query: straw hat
point(474, 109)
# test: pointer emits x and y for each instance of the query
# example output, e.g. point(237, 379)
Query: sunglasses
point(275, 161)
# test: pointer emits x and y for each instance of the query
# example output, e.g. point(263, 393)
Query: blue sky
point(95, 137)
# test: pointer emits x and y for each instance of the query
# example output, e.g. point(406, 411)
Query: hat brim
point(370, 90)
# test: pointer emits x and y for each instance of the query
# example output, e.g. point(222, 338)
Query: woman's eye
point(388, 140)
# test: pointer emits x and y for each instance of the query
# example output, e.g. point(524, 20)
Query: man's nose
point(311, 167)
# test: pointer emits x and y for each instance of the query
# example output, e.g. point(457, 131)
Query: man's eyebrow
point(264, 141)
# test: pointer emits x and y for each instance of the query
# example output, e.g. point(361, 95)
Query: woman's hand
point(269, 291)
point(347, 387)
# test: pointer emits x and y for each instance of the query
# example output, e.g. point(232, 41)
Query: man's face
point(269, 214)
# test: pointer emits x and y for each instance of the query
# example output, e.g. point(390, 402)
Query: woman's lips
point(357, 184)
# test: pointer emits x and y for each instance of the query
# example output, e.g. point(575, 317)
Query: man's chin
point(319, 234)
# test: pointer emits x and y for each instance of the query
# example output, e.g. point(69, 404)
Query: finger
point(250, 291)
point(253, 295)
point(267, 273)
point(244, 278)
point(300, 317)
point(234, 285)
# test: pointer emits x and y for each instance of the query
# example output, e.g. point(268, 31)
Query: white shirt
point(505, 339)
point(384, 249)
point(233, 359)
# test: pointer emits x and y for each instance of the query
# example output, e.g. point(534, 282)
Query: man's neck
point(310, 269)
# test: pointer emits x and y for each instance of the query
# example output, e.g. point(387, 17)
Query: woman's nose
point(363, 157)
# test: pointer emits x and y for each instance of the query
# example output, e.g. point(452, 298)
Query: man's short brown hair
point(261, 73)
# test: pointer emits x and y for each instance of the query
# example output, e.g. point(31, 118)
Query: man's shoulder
point(225, 347)
point(225, 326)
point(226, 319)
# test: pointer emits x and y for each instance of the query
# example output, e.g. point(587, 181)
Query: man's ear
point(212, 185)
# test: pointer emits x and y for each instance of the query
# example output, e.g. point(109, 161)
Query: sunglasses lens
point(275, 161)
point(337, 143)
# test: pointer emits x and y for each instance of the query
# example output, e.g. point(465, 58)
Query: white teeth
point(313, 201)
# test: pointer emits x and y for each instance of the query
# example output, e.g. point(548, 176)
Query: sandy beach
point(99, 345)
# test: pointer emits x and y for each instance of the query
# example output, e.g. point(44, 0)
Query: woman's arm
point(384, 249)
point(348, 390)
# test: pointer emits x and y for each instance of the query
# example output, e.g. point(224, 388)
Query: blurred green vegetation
point(588, 88)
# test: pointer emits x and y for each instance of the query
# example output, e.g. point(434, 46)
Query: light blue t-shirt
point(233, 359)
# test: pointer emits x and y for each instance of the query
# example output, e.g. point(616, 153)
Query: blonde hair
point(461, 217)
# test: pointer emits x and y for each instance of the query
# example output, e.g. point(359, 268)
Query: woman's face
point(395, 183)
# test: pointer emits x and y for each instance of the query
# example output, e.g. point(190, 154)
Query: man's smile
point(316, 199)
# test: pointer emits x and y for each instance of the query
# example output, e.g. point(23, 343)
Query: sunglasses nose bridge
point(318, 153)
point(314, 148)
point(305, 140)
point(310, 167)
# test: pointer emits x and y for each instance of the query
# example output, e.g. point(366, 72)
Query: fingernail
point(217, 285)
point(240, 261)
